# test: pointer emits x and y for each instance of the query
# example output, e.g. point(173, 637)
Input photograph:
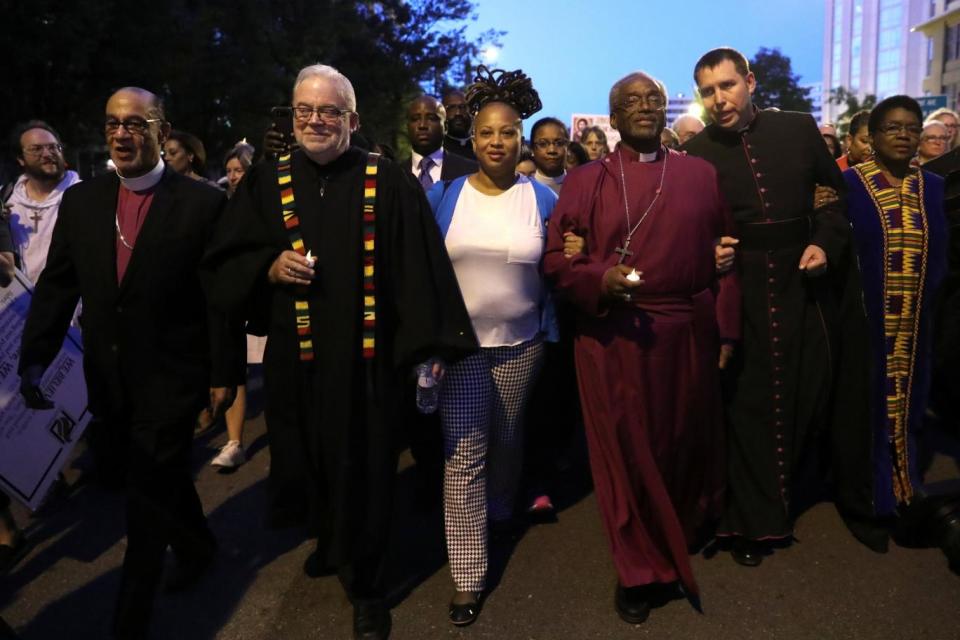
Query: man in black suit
point(430, 162)
point(129, 245)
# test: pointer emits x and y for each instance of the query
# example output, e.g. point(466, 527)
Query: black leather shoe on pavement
point(632, 604)
point(747, 553)
point(371, 622)
point(465, 614)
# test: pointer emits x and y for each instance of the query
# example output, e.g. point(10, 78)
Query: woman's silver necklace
point(624, 251)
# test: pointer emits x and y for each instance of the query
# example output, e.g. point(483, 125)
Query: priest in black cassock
point(769, 163)
point(336, 257)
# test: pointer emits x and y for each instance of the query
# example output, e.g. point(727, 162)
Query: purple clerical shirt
point(132, 210)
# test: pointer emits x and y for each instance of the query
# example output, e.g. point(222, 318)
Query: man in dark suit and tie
point(129, 245)
point(430, 162)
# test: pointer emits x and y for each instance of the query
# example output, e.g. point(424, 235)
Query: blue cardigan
point(443, 198)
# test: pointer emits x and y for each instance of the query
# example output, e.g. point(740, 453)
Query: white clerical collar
point(463, 141)
point(436, 156)
point(647, 157)
point(146, 181)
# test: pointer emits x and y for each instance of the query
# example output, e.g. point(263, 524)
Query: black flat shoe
point(747, 553)
point(371, 622)
point(632, 604)
point(465, 614)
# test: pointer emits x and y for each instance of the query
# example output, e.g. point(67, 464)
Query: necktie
point(426, 163)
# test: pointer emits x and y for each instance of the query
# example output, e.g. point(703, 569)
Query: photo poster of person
point(36, 445)
point(580, 121)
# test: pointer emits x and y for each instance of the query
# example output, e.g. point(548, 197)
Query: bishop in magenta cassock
point(647, 349)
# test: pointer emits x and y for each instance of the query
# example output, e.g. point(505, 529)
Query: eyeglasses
point(560, 143)
point(936, 138)
point(135, 126)
point(327, 113)
point(896, 128)
point(38, 149)
point(653, 101)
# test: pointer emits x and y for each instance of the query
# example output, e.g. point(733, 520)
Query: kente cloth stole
point(904, 222)
point(291, 223)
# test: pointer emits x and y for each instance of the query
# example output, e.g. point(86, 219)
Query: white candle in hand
point(633, 276)
point(311, 261)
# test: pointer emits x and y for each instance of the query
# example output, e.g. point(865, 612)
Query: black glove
point(30, 388)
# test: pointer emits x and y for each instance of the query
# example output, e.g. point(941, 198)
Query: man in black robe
point(343, 332)
point(769, 163)
point(459, 122)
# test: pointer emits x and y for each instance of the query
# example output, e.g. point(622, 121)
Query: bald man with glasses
point(129, 244)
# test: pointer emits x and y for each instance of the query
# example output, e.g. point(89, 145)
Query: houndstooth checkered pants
point(481, 406)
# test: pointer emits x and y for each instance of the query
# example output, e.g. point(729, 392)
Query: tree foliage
point(777, 85)
point(221, 64)
point(852, 102)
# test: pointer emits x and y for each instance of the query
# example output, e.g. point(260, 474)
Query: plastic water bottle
point(428, 391)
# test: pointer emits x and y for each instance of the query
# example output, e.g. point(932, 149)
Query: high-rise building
point(942, 31)
point(869, 48)
point(816, 99)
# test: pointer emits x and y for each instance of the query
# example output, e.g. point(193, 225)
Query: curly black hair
point(510, 87)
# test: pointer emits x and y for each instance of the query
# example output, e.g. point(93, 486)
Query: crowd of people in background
point(713, 305)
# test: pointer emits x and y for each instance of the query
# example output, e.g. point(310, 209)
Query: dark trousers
point(363, 580)
point(163, 509)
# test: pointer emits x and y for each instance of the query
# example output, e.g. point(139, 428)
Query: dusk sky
point(574, 50)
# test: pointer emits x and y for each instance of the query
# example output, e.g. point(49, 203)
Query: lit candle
point(310, 259)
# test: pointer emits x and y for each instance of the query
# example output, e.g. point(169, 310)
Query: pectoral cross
point(624, 252)
point(36, 217)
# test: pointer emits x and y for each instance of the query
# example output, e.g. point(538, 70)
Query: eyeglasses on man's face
point(326, 113)
point(936, 139)
point(133, 126)
point(652, 101)
point(38, 149)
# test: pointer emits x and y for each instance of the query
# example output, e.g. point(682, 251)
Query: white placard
point(580, 121)
point(35, 445)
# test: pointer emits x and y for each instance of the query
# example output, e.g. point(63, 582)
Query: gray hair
point(685, 116)
point(328, 73)
point(932, 124)
point(943, 111)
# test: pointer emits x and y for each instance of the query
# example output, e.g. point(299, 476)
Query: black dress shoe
point(465, 614)
point(315, 567)
point(632, 604)
point(747, 553)
point(371, 622)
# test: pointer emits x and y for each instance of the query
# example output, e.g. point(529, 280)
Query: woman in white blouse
point(494, 224)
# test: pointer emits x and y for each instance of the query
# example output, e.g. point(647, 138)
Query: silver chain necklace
point(116, 219)
point(624, 251)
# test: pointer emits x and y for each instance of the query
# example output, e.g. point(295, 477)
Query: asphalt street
point(554, 582)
